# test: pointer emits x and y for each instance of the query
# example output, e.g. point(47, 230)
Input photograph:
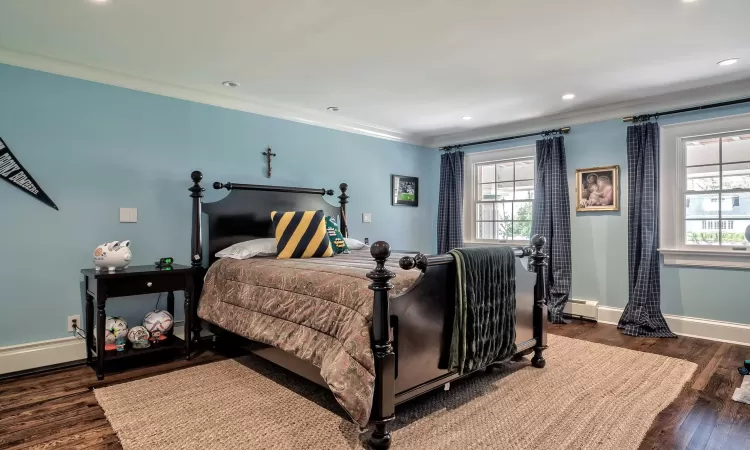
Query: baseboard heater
point(582, 308)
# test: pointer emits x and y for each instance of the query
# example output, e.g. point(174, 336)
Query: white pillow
point(248, 249)
point(354, 244)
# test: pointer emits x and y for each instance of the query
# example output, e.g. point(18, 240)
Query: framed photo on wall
point(598, 189)
point(404, 190)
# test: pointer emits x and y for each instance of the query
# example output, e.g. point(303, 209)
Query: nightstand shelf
point(99, 286)
point(167, 345)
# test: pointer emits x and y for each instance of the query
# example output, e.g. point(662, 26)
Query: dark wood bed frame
point(409, 331)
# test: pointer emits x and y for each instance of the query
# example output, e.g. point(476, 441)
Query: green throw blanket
point(484, 321)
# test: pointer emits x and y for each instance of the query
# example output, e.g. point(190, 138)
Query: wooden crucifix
point(268, 156)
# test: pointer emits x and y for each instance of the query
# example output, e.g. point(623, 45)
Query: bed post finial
point(196, 240)
point(538, 264)
point(384, 399)
point(343, 200)
point(409, 262)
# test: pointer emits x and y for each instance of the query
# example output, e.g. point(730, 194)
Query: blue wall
point(95, 148)
point(600, 247)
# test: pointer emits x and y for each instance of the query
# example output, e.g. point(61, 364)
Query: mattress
point(318, 309)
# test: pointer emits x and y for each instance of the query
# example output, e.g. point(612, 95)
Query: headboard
point(245, 213)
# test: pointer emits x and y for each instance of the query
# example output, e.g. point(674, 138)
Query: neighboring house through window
point(705, 183)
point(499, 195)
point(714, 224)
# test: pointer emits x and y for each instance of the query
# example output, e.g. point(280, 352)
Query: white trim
point(698, 258)
point(671, 187)
point(246, 104)
point(682, 99)
point(470, 161)
point(485, 242)
point(39, 354)
point(502, 154)
point(609, 314)
point(33, 355)
point(714, 330)
point(179, 330)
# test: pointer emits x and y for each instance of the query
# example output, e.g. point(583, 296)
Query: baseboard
point(582, 308)
point(715, 330)
point(17, 358)
point(609, 315)
point(34, 355)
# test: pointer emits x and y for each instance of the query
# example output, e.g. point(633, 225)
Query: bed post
point(343, 200)
point(538, 263)
point(196, 257)
point(196, 239)
point(384, 398)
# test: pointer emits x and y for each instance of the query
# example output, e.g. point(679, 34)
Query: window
point(499, 195)
point(705, 183)
point(717, 187)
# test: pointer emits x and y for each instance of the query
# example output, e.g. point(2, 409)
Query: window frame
point(471, 161)
point(672, 185)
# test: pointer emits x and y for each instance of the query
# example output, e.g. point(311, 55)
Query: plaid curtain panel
point(450, 205)
point(551, 219)
point(642, 315)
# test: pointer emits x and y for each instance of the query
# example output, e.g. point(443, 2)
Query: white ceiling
point(408, 69)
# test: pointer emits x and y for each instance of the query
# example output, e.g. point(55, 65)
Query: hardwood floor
point(704, 415)
point(58, 409)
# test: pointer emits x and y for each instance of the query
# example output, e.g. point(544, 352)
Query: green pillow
point(337, 239)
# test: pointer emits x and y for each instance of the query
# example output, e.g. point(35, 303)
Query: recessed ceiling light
point(231, 84)
point(728, 62)
point(98, 1)
point(333, 108)
point(466, 117)
point(689, 1)
point(568, 96)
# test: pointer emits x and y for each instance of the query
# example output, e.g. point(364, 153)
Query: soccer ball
point(138, 333)
point(158, 323)
point(114, 328)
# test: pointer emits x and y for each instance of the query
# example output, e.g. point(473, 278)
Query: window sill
point(509, 243)
point(706, 258)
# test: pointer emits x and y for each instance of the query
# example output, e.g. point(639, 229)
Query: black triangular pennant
point(13, 172)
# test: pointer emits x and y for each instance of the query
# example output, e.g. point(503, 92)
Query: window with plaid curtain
point(450, 205)
point(642, 315)
point(551, 219)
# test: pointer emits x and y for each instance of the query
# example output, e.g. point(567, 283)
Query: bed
point(371, 326)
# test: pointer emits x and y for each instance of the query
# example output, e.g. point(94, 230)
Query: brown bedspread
point(318, 309)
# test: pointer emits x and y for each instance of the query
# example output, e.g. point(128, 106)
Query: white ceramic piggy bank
point(113, 256)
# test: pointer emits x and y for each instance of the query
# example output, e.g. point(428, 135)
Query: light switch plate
point(366, 217)
point(128, 215)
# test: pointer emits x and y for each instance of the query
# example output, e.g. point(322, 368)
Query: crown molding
point(676, 100)
point(682, 99)
point(250, 105)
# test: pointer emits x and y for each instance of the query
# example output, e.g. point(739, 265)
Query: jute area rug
point(589, 396)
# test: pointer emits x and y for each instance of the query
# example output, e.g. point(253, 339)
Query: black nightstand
point(137, 280)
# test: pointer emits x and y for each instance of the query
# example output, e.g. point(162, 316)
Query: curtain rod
point(644, 117)
point(564, 130)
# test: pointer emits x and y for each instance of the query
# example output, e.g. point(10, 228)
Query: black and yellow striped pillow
point(301, 234)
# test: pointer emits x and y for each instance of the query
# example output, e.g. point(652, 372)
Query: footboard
point(408, 358)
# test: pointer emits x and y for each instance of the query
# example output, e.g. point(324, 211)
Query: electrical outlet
point(76, 320)
point(367, 241)
point(366, 217)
